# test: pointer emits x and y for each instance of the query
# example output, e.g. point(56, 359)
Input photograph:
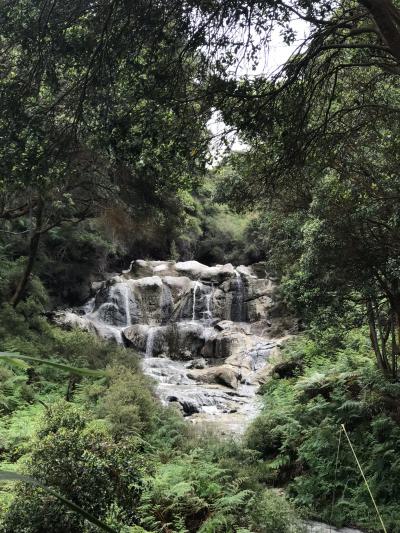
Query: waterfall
point(238, 304)
point(151, 335)
point(197, 284)
point(89, 306)
point(122, 296)
point(112, 316)
point(126, 293)
point(166, 304)
point(180, 320)
point(208, 314)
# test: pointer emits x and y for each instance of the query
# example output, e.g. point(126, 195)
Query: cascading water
point(89, 306)
point(208, 314)
point(113, 315)
point(238, 311)
point(178, 318)
point(151, 336)
point(125, 293)
point(166, 304)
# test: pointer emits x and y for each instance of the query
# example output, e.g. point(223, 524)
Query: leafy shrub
point(127, 404)
point(270, 512)
point(79, 458)
point(194, 493)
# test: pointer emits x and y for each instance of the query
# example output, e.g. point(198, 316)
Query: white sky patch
point(274, 56)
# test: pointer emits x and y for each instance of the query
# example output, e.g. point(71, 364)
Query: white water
point(229, 409)
point(209, 302)
point(151, 335)
point(238, 307)
point(89, 306)
point(228, 401)
point(166, 303)
point(126, 293)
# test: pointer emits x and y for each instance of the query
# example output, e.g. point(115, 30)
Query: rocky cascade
point(207, 334)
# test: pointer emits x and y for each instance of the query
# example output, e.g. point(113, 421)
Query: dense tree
point(89, 115)
point(332, 208)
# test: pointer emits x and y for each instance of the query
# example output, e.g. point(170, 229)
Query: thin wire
point(365, 479)
point(336, 470)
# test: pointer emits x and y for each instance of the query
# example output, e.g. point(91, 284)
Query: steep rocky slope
point(207, 334)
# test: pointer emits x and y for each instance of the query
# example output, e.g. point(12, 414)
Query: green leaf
point(14, 476)
point(15, 358)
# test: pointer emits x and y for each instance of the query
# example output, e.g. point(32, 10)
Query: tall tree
point(332, 219)
point(92, 114)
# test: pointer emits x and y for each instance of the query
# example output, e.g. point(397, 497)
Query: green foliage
point(13, 476)
point(196, 493)
point(213, 233)
point(271, 512)
point(127, 403)
point(79, 458)
point(298, 433)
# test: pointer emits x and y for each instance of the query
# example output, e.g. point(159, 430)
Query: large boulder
point(223, 375)
point(198, 271)
point(224, 344)
point(151, 340)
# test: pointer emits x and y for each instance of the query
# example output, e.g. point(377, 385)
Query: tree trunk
point(387, 18)
point(395, 334)
point(33, 249)
point(381, 359)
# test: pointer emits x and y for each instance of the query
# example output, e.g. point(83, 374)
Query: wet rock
point(196, 270)
point(69, 320)
point(177, 284)
point(152, 340)
point(198, 364)
point(204, 332)
point(242, 361)
point(136, 336)
point(245, 271)
point(95, 286)
point(165, 371)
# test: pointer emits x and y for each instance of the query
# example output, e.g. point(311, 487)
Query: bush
point(79, 458)
point(191, 494)
point(127, 404)
point(270, 512)
point(194, 493)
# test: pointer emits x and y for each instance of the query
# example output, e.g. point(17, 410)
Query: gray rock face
point(204, 332)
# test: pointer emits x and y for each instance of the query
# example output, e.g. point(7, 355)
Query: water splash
point(89, 306)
